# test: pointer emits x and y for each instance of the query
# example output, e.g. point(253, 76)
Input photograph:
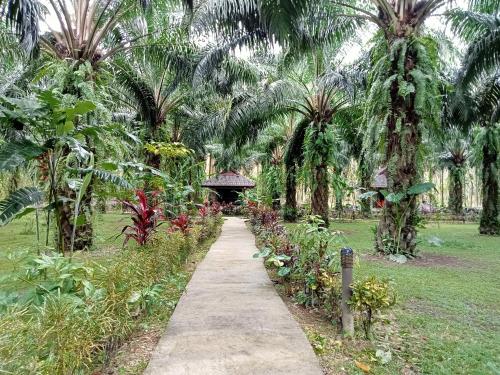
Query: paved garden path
point(230, 320)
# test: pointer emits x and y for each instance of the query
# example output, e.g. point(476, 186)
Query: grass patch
point(18, 245)
point(447, 320)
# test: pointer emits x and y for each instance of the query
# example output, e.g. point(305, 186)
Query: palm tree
point(480, 106)
point(454, 156)
point(293, 160)
point(402, 90)
point(23, 17)
point(153, 85)
point(479, 88)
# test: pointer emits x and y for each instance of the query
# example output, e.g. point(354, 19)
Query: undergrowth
point(68, 329)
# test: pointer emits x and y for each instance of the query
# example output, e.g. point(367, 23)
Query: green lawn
point(448, 314)
point(18, 243)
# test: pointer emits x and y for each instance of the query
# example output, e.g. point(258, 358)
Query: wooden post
point(346, 257)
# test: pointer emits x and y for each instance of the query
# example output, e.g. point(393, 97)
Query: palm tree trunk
point(65, 209)
point(84, 234)
point(396, 231)
point(456, 190)
point(276, 205)
point(290, 212)
point(339, 204)
point(365, 182)
point(152, 159)
point(490, 221)
point(64, 218)
point(320, 191)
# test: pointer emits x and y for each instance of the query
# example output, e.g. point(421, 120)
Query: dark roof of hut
point(380, 179)
point(228, 180)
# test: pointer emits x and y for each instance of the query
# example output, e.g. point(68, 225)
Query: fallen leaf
point(363, 367)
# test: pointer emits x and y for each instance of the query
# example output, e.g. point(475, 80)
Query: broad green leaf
point(283, 271)
point(263, 253)
point(68, 127)
point(421, 188)
point(109, 166)
point(395, 197)
point(83, 107)
point(17, 202)
point(49, 98)
point(83, 188)
point(76, 147)
point(25, 212)
point(15, 154)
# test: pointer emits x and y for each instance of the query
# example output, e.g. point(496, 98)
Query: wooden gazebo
point(227, 185)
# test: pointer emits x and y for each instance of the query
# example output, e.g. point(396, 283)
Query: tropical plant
point(391, 245)
point(23, 17)
point(478, 25)
point(317, 260)
point(54, 274)
point(454, 155)
point(154, 82)
point(55, 124)
point(478, 96)
point(369, 297)
point(181, 223)
point(145, 216)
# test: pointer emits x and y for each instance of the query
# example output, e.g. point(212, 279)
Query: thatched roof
point(380, 179)
point(228, 180)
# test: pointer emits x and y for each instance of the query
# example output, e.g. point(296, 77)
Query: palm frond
point(141, 91)
point(23, 16)
point(108, 177)
point(17, 202)
point(482, 31)
point(15, 154)
point(294, 152)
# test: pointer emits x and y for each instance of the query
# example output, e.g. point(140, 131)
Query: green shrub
point(306, 259)
point(371, 296)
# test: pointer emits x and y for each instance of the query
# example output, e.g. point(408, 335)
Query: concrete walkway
point(230, 320)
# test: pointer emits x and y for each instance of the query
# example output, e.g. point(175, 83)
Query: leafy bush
point(318, 264)
point(180, 223)
point(306, 259)
point(230, 209)
point(56, 274)
point(145, 216)
point(215, 209)
point(204, 211)
point(370, 296)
